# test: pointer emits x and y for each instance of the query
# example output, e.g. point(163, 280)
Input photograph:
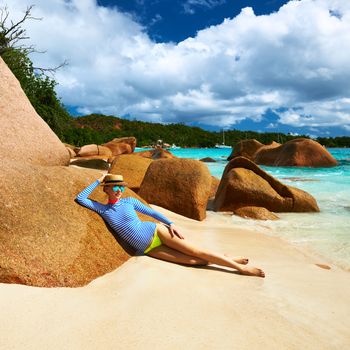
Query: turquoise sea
point(326, 233)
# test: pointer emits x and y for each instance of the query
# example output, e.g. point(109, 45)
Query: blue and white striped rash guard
point(122, 218)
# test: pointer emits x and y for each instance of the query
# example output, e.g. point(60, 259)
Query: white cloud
point(190, 6)
point(325, 113)
point(296, 58)
point(271, 126)
point(155, 19)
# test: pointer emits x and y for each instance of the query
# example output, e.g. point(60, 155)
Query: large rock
point(25, 137)
point(244, 184)
point(245, 148)
point(208, 160)
point(180, 185)
point(94, 150)
point(157, 153)
point(269, 152)
point(46, 239)
point(256, 213)
point(105, 158)
point(132, 168)
point(98, 164)
point(71, 152)
point(298, 152)
point(215, 182)
point(123, 145)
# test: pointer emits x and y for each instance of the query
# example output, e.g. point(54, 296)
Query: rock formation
point(208, 160)
point(94, 150)
point(71, 152)
point(123, 145)
point(132, 168)
point(244, 184)
point(298, 152)
point(245, 148)
point(257, 213)
point(157, 153)
point(180, 185)
point(46, 239)
point(214, 187)
point(92, 163)
point(25, 137)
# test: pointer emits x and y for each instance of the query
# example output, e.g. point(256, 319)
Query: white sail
point(223, 142)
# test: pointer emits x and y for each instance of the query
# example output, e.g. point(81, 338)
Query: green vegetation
point(339, 141)
point(101, 128)
point(97, 128)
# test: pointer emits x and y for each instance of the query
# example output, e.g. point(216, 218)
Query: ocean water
point(326, 233)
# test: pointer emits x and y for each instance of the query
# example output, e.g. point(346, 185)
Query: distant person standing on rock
point(161, 241)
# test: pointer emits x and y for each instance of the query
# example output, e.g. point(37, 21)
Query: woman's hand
point(175, 232)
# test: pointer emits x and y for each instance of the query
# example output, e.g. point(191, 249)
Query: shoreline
point(298, 305)
point(259, 228)
point(304, 248)
point(266, 231)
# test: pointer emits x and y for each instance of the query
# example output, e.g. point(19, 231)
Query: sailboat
point(223, 142)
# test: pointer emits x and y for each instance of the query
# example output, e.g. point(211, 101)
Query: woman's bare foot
point(252, 271)
point(238, 259)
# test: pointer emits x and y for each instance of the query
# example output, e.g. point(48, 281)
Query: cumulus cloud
point(294, 60)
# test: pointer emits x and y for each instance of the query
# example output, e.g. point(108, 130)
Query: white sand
point(149, 304)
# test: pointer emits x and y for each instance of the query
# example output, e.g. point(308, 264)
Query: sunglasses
point(120, 188)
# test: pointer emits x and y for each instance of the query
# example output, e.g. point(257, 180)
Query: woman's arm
point(82, 197)
point(144, 209)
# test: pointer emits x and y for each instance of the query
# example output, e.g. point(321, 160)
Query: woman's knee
point(164, 252)
point(179, 244)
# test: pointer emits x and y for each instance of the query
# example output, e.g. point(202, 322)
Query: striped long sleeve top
point(123, 219)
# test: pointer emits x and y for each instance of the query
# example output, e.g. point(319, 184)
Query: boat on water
point(173, 146)
point(222, 145)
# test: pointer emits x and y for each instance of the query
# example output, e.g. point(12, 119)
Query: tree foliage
point(103, 128)
point(339, 141)
point(99, 128)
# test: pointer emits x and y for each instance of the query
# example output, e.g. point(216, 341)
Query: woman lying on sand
point(161, 241)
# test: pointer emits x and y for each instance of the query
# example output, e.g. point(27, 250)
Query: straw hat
point(113, 180)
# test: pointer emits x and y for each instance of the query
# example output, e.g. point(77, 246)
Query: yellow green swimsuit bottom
point(156, 242)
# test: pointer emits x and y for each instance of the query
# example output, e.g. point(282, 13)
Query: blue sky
point(277, 66)
point(173, 20)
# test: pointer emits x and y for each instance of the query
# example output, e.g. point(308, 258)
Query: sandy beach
point(151, 304)
point(206, 108)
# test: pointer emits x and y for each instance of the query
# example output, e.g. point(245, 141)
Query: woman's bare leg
point(166, 253)
point(238, 259)
point(183, 246)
